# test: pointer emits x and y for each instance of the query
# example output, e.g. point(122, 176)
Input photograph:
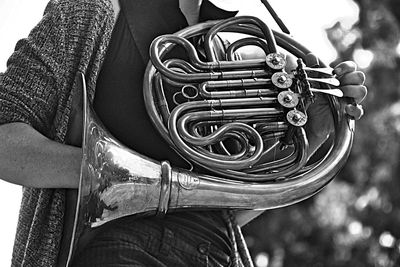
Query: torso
point(120, 105)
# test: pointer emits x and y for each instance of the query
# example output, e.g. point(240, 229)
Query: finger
point(358, 92)
point(354, 111)
point(345, 67)
point(352, 78)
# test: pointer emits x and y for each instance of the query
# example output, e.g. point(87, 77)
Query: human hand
point(320, 123)
point(352, 85)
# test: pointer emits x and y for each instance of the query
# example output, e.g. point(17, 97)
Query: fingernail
point(356, 112)
point(338, 71)
point(362, 76)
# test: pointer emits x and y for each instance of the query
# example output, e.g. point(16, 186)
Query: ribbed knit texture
point(37, 89)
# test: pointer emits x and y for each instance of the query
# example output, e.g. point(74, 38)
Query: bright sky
point(306, 20)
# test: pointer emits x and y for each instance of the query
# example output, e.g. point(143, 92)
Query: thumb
point(354, 111)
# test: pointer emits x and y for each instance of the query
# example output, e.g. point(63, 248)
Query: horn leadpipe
point(128, 183)
point(226, 24)
point(134, 183)
point(116, 181)
point(253, 41)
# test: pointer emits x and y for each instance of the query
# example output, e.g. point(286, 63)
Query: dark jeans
point(148, 244)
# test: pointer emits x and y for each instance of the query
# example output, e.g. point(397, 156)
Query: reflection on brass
point(233, 128)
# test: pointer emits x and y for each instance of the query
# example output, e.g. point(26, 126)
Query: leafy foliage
point(355, 220)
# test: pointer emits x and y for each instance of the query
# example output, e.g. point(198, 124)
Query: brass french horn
point(234, 113)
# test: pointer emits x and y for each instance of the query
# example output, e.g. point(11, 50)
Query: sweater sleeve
point(28, 88)
point(43, 66)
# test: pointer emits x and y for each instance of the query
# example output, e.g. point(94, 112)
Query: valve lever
point(326, 70)
point(335, 92)
point(331, 81)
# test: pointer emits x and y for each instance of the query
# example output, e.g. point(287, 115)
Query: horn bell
point(116, 181)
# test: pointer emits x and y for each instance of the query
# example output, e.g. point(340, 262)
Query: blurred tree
point(355, 220)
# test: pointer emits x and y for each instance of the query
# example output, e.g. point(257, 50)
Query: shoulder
point(81, 8)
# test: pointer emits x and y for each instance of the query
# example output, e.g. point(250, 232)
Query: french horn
point(240, 120)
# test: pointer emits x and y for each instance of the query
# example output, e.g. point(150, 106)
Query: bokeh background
point(355, 220)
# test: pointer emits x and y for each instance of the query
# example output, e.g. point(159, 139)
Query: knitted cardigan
point(37, 89)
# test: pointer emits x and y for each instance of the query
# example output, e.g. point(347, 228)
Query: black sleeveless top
point(119, 99)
